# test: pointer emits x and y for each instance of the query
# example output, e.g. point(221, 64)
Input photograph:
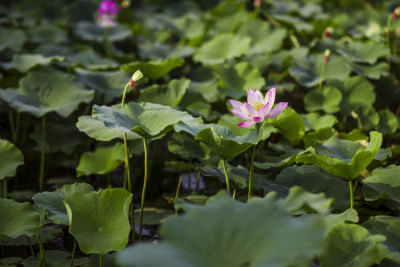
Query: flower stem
point(321, 77)
point(42, 261)
point(351, 194)
point(251, 178)
point(30, 246)
point(177, 191)
point(73, 253)
point(228, 187)
point(101, 260)
point(41, 176)
point(144, 187)
point(124, 94)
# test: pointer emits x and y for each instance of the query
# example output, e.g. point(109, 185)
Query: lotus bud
point(135, 77)
point(328, 31)
point(327, 55)
point(396, 13)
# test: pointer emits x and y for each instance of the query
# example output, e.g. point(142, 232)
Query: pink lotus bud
point(257, 3)
point(396, 13)
point(327, 55)
point(328, 31)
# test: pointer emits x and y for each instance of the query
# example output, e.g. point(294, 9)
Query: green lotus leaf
point(289, 124)
point(153, 216)
point(203, 109)
point(108, 85)
point(355, 245)
point(91, 60)
point(47, 33)
point(364, 52)
point(12, 39)
point(388, 227)
point(287, 157)
point(96, 129)
point(357, 92)
point(354, 135)
point(24, 62)
point(11, 158)
point(207, 89)
point(56, 258)
point(53, 203)
point(375, 72)
point(235, 80)
point(146, 119)
point(382, 184)
point(264, 39)
point(348, 216)
point(186, 147)
point(99, 220)
point(92, 32)
point(320, 135)
point(167, 96)
point(17, 219)
point(154, 69)
point(314, 121)
point(231, 122)
point(294, 242)
point(307, 71)
point(297, 23)
point(300, 201)
point(343, 158)
point(222, 47)
point(316, 180)
point(102, 161)
point(328, 99)
point(46, 234)
point(60, 93)
point(388, 122)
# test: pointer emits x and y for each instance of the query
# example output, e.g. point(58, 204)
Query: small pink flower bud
point(396, 13)
point(328, 31)
point(132, 84)
point(327, 55)
point(257, 3)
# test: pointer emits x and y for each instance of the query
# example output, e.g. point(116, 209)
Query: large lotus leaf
point(91, 60)
point(108, 85)
point(287, 157)
point(263, 38)
point(388, 122)
point(153, 216)
point(99, 220)
point(372, 72)
point(167, 96)
point(185, 146)
point(102, 161)
point(389, 227)
point(47, 33)
point(289, 124)
point(154, 69)
point(203, 109)
point(328, 99)
point(11, 158)
point(316, 180)
point(59, 137)
point(297, 23)
point(235, 80)
point(307, 71)
point(368, 52)
point(93, 32)
point(46, 234)
point(333, 219)
point(357, 92)
point(352, 245)
point(314, 121)
point(17, 219)
point(300, 201)
point(231, 122)
point(12, 39)
point(280, 240)
point(222, 47)
point(146, 119)
point(96, 129)
point(343, 158)
point(320, 135)
point(25, 62)
point(190, 25)
point(207, 89)
point(60, 93)
point(382, 184)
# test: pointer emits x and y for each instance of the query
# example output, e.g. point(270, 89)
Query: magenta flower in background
point(107, 12)
point(256, 109)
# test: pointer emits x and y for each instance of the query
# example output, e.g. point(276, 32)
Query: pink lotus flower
point(106, 13)
point(256, 109)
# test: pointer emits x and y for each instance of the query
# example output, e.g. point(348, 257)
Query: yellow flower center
point(258, 105)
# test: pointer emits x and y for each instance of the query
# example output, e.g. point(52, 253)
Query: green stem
point(124, 94)
point(321, 77)
point(3, 186)
point(41, 177)
point(42, 261)
point(73, 253)
point(351, 194)
point(234, 193)
point(197, 181)
point(177, 192)
point(128, 173)
point(389, 21)
point(16, 132)
point(251, 178)
point(144, 187)
point(228, 187)
point(101, 260)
